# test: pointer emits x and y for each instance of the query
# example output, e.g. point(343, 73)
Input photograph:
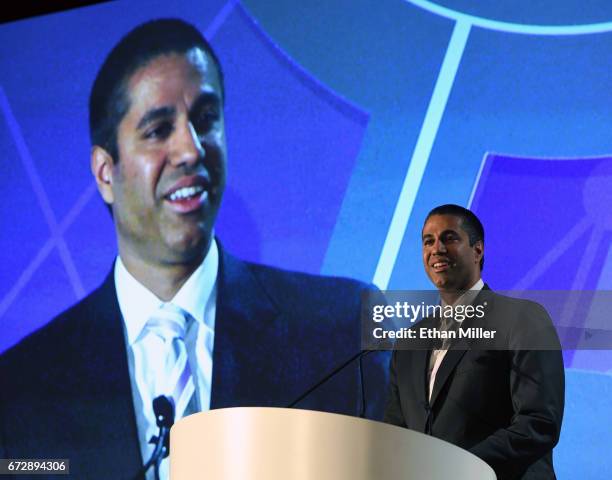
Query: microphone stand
point(164, 417)
point(359, 355)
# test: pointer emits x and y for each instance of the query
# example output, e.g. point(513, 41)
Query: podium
point(253, 443)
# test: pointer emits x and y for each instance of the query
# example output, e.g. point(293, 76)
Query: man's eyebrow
point(156, 114)
point(445, 232)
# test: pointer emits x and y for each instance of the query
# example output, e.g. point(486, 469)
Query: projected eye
point(205, 120)
point(160, 131)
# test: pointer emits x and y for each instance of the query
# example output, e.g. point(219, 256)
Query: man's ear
point(102, 170)
point(478, 250)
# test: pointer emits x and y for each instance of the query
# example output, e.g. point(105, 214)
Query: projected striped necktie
point(170, 323)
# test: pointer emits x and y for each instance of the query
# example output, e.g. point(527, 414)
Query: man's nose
point(439, 246)
point(186, 146)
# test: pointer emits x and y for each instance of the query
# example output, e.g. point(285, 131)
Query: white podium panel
point(287, 444)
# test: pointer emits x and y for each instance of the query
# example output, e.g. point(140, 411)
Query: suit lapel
point(453, 356)
point(105, 395)
point(450, 361)
point(247, 327)
point(419, 375)
point(420, 362)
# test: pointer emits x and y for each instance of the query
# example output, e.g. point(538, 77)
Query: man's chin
point(441, 282)
point(189, 248)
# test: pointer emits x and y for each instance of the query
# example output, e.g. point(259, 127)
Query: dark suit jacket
point(65, 390)
point(504, 405)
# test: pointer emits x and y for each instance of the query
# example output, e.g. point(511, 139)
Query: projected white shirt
point(198, 298)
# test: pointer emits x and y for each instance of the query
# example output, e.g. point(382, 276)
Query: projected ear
point(102, 170)
point(478, 250)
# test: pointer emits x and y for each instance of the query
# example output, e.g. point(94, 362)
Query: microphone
point(164, 418)
point(164, 411)
point(360, 355)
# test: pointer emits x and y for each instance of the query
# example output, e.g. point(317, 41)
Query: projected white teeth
point(186, 192)
point(440, 264)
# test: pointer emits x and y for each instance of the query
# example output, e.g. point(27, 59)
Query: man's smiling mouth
point(186, 193)
point(441, 266)
point(189, 194)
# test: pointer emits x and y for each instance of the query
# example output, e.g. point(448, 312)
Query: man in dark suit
point(245, 334)
point(501, 399)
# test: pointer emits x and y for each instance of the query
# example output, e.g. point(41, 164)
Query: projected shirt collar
point(137, 303)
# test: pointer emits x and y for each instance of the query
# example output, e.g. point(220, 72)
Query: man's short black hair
point(469, 223)
point(109, 101)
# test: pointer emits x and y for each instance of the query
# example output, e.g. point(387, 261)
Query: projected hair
point(469, 223)
point(109, 100)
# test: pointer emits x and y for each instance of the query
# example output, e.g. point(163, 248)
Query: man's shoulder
point(290, 278)
point(61, 333)
point(291, 287)
point(512, 304)
point(528, 324)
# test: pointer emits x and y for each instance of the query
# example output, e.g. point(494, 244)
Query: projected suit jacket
point(503, 405)
point(65, 390)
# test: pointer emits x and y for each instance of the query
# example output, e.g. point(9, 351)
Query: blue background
point(346, 121)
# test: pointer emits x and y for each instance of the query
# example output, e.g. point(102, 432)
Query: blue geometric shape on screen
point(92, 228)
point(528, 12)
point(283, 197)
point(48, 85)
point(548, 223)
point(584, 448)
point(18, 246)
point(48, 290)
point(605, 279)
point(31, 302)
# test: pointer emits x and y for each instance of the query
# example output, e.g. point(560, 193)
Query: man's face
point(169, 178)
point(450, 262)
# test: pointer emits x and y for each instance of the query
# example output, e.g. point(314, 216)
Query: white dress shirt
point(435, 360)
point(197, 297)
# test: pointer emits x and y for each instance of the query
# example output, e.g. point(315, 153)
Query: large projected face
point(451, 263)
point(166, 187)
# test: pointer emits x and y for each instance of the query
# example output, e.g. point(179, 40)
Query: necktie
point(448, 324)
point(438, 354)
point(175, 379)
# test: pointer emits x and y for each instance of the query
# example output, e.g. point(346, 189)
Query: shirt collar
point(197, 290)
point(469, 295)
point(137, 303)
